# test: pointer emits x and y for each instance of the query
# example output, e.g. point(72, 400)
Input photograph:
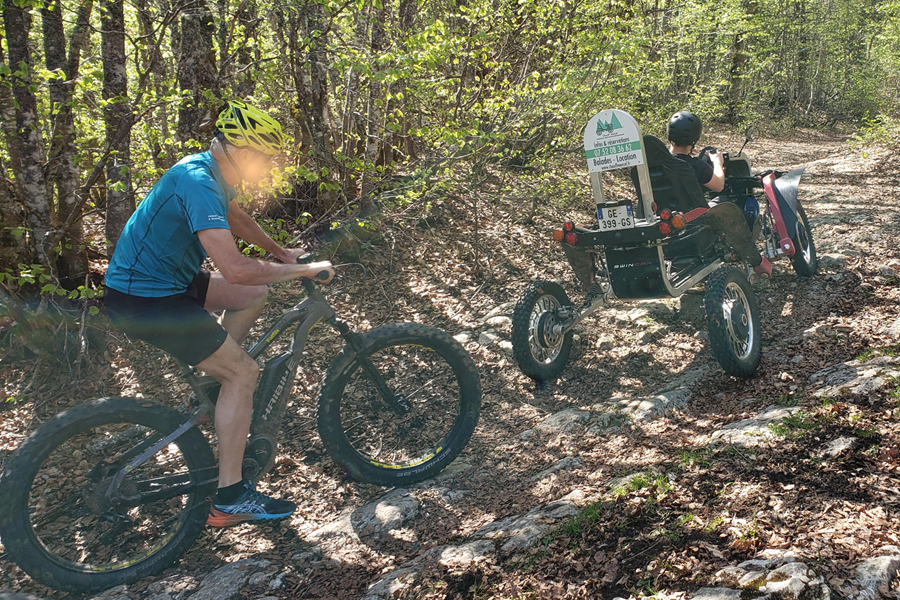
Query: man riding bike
point(157, 292)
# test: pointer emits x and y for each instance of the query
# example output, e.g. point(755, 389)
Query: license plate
point(620, 216)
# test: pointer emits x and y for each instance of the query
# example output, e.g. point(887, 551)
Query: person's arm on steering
point(245, 227)
point(717, 183)
point(238, 269)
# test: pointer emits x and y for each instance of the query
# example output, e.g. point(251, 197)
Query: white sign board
point(612, 140)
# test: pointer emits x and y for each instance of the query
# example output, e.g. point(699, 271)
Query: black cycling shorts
point(177, 324)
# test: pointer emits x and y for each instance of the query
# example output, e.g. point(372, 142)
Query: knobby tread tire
point(26, 550)
point(801, 267)
point(719, 338)
point(540, 372)
point(345, 364)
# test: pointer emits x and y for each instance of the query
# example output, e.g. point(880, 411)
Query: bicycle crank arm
point(196, 417)
point(165, 493)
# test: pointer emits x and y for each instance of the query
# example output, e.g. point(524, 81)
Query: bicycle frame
point(312, 310)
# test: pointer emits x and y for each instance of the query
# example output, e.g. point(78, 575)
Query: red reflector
point(665, 229)
point(568, 226)
point(558, 235)
point(571, 238)
point(678, 221)
point(665, 215)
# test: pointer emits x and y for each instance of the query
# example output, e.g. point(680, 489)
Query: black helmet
point(684, 128)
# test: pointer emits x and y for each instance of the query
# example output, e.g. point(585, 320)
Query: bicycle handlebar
point(305, 260)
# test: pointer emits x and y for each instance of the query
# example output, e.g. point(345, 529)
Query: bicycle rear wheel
point(440, 383)
point(63, 528)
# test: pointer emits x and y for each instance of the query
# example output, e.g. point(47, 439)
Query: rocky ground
point(643, 470)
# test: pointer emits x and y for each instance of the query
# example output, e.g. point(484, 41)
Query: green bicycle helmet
point(245, 126)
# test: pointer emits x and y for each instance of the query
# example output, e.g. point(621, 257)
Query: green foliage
point(795, 425)
point(694, 457)
point(442, 92)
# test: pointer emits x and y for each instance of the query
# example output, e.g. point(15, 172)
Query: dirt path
point(438, 276)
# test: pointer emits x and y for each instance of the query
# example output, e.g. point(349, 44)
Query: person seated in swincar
point(683, 130)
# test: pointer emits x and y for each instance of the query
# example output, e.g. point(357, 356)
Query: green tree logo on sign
point(607, 127)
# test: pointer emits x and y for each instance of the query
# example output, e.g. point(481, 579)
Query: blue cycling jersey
point(159, 252)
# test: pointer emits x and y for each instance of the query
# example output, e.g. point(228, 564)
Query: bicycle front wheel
point(68, 525)
point(440, 385)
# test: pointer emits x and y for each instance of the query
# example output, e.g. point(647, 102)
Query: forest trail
point(703, 506)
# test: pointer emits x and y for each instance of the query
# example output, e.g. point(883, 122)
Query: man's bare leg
point(237, 373)
point(242, 304)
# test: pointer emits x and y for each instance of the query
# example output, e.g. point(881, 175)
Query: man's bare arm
point(238, 269)
point(717, 183)
point(246, 228)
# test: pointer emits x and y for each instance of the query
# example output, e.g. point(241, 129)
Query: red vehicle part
point(787, 246)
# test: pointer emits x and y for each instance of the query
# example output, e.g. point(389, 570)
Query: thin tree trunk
point(375, 119)
point(249, 51)
point(312, 94)
point(30, 178)
point(117, 114)
point(407, 15)
point(64, 170)
point(196, 68)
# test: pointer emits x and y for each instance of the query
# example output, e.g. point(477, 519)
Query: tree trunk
point(64, 170)
point(375, 121)
point(406, 17)
point(248, 53)
point(196, 68)
point(155, 70)
point(30, 178)
point(312, 94)
point(118, 117)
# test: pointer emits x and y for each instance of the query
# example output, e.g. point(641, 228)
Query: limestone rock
point(838, 446)
point(519, 532)
point(892, 330)
point(857, 378)
point(175, 587)
point(392, 511)
point(564, 421)
point(486, 338)
point(460, 557)
point(225, 582)
point(710, 593)
point(605, 342)
point(503, 309)
point(393, 584)
point(500, 322)
point(875, 572)
point(463, 337)
point(887, 271)
point(569, 462)
point(752, 432)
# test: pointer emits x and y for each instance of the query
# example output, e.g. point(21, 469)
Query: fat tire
point(26, 550)
point(540, 372)
point(719, 338)
point(345, 364)
point(801, 266)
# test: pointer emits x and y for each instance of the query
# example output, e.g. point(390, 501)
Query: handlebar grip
point(322, 276)
point(306, 258)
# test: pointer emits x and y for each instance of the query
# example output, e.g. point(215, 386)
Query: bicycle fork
point(396, 402)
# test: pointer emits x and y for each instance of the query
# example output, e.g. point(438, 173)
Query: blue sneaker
point(250, 506)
